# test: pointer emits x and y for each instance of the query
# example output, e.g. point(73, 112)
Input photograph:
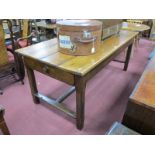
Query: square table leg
point(128, 57)
point(33, 85)
point(80, 101)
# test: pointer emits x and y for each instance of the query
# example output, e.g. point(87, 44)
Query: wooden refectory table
point(73, 70)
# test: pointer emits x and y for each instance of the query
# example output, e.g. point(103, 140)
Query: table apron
point(49, 70)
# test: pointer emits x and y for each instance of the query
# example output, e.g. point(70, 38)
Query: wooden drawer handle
point(46, 69)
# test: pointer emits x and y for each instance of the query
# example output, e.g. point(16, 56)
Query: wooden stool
point(3, 125)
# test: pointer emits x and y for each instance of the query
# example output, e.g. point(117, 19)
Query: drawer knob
point(45, 68)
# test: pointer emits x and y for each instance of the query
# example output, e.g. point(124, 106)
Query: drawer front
point(50, 71)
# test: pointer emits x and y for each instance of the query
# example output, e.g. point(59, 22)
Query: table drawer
point(50, 70)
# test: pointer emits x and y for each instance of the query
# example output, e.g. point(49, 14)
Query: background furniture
point(3, 125)
point(73, 70)
point(10, 63)
point(152, 33)
point(37, 37)
point(45, 25)
point(140, 28)
point(135, 21)
point(15, 28)
point(26, 36)
point(134, 27)
point(140, 111)
point(148, 22)
point(46, 28)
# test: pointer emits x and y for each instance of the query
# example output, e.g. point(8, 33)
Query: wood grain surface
point(144, 92)
point(48, 53)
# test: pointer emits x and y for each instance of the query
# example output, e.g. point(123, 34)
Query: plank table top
point(144, 92)
point(134, 27)
point(48, 53)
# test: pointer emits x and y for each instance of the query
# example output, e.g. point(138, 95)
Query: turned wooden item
point(79, 37)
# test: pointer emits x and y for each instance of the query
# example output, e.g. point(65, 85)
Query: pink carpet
point(106, 99)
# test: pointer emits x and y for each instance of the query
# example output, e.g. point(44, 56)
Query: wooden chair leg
point(4, 128)
point(1, 92)
point(137, 41)
point(3, 125)
point(22, 82)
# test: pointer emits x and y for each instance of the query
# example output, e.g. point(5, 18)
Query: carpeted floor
point(106, 99)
